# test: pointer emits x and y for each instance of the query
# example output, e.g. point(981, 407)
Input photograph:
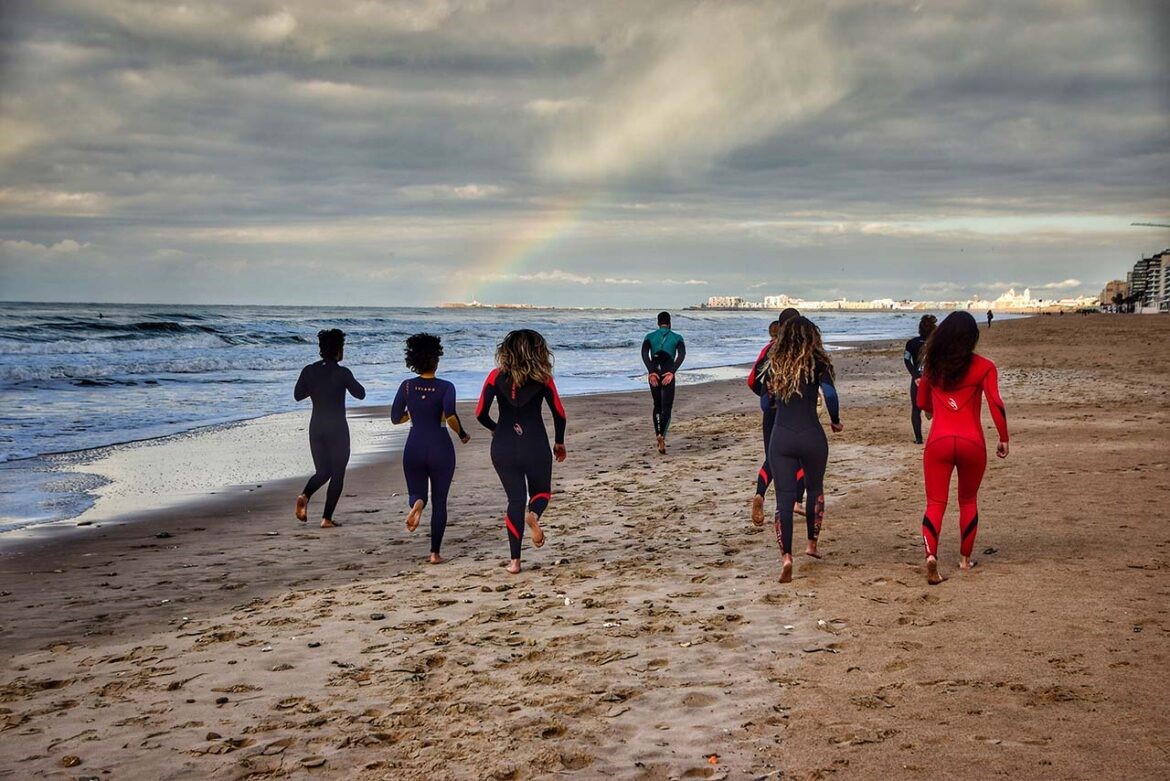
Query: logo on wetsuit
point(518, 429)
point(954, 405)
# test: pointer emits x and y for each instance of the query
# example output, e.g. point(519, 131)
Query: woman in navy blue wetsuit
point(326, 382)
point(429, 457)
point(521, 383)
point(800, 368)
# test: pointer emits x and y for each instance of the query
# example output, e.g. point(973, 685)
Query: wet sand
point(648, 637)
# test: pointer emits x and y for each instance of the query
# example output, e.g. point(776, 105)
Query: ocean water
point(74, 377)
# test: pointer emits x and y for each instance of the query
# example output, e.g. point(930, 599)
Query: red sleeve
point(485, 401)
point(753, 373)
point(925, 400)
point(995, 401)
point(558, 411)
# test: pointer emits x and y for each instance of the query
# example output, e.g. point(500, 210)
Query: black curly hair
point(422, 353)
point(331, 341)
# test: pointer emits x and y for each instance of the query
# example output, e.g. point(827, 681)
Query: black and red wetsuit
point(956, 442)
point(520, 450)
point(798, 440)
point(758, 382)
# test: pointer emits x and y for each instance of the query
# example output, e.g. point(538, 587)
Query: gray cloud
point(395, 152)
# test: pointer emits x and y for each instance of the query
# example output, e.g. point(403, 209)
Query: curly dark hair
point(949, 349)
point(331, 341)
point(422, 353)
point(926, 326)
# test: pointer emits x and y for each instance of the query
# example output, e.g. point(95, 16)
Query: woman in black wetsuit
point(799, 368)
point(326, 382)
point(521, 383)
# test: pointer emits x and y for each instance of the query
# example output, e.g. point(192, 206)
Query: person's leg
point(414, 468)
point(338, 460)
point(972, 463)
point(512, 479)
point(937, 464)
point(318, 446)
point(538, 473)
point(915, 413)
point(656, 415)
point(442, 473)
point(814, 457)
point(667, 405)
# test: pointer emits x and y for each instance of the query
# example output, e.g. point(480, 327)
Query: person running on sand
point(799, 368)
point(521, 382)
point(326, 382)
point(758, 383)
point(912, 357)
point(663, 352)
point(429, 457)
point(954, 379)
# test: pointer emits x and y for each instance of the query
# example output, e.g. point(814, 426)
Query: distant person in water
point(800, 369)
point(326, 383)
point(663, 352)
point(912, 357)
point(954, 380)
point(521, 382)
point(990, 317)
point(429, 457)
point(758, 383)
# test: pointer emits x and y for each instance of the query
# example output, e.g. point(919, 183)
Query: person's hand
point(929, 415)
point(837, 427)
point(1002, 450)
point(559, 453)
point(653, 380)
point(667, 378)
point(917, 381)
point(465, 437)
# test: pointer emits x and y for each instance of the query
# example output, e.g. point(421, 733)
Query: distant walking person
point(912, 357)
point(663, 352)
point(758, 383)
point(990, 317)
point(954, 379)
point(521, 382)
point(326, 382)
point(429, 457)
point(800, 368)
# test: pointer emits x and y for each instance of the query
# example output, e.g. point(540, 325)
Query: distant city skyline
point(627, 154)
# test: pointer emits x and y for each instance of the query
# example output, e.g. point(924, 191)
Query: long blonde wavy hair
point(793, 359)
point(525, 356)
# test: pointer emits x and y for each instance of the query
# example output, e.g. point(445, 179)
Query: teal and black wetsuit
point(663, 351)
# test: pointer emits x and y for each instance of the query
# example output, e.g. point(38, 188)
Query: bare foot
point(932, 575)
point(798, 509)
point(811, 549)
point(437, 559)
point(533, 523)
point(786, 570)
point(302, 511)
point(514, 566)
point(758, 510)
point(966, 563)
point(662, 444)
point(415, 514)
point(328, 524)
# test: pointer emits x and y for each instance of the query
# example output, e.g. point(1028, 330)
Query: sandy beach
point(648, 638)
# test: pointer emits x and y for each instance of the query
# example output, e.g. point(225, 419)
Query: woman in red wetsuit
point(521, 384)
point(954, 379)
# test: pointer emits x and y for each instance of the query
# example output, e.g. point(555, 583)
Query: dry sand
point(649, 634)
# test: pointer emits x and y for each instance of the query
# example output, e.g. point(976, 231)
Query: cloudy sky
point(596, 153)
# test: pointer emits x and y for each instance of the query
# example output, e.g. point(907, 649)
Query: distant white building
point(782, 301)
point(1010, 300)
point(726, 302)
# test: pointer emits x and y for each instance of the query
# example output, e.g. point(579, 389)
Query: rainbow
point(523, 244)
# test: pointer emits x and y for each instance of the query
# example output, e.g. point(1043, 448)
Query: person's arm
point(486, 396)
point(451, 416)
point(553, 398)
point(995, 403)
point(680, 355)
point(353, 386)
point(832, 403)
point(911, 361)
point(925, 400)
point(398, 413)
point(754, 376)
point(301, 391)
point(646, 354)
